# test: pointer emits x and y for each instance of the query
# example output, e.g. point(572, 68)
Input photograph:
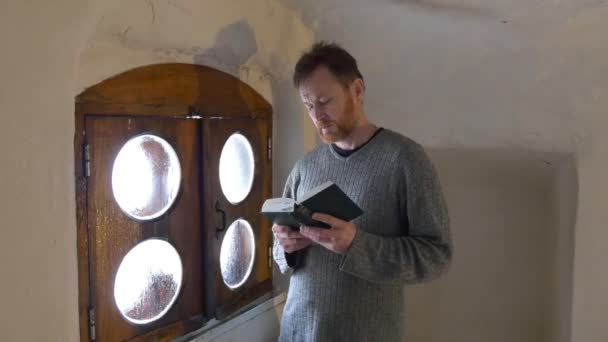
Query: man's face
point(331, 107)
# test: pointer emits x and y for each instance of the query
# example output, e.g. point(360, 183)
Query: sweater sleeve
point(425, 249)
point(288, 261)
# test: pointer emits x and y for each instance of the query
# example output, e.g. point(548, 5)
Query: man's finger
point(280, 229)
point(322, 240)
point(330, 220)
point(319, 235)
point(296, 245)
point(292, 234)
point(289, 245)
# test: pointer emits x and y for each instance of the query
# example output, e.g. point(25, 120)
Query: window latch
point(92, 323)
point(86, 151)
point(222, 214)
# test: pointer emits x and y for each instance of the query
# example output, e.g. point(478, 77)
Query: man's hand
point(337, 239)
point(291, 240)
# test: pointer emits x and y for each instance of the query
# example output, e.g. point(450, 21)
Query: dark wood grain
point(81, 226)
point(211, 92)
point(221, 298)
point(113, 234)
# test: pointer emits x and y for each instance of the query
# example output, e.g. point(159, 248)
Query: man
point(347, 281)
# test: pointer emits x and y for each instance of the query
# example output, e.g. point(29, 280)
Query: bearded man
point(347, 282)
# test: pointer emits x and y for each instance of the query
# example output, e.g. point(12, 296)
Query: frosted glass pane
point(237, 254)
point(146, 177)
point(148, 281)
point(236, 168)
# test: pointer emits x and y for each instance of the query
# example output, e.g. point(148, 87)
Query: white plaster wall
point(507, 75)
point(51, 51)
point(38, 63)
point(561, 251)
point(496, 289)
point(584, 53)
point(453, 78)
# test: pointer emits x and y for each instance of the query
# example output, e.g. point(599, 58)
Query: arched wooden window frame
point(172, 90)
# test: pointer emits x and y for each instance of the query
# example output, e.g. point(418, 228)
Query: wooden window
point(173, 162)
point(221, 296)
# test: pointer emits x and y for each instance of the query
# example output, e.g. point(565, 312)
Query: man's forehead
point(320, 82)
point(312, 92)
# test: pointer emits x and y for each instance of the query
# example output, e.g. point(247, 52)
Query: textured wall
point(53, 50)
point(501, 76)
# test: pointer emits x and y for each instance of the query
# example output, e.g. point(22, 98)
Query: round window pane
point(236, 254)
point(146, 177)
point(148, 281)
point(236, 168)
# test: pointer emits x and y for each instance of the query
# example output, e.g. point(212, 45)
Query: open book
point(326, 198)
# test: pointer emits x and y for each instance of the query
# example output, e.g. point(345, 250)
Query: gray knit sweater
point(402, 238)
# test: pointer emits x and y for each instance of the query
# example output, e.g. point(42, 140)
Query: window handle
point(222, 214)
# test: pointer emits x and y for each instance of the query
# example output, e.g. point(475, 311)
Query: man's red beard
point(341, 129)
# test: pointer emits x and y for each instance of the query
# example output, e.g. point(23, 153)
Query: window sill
point(214, 329)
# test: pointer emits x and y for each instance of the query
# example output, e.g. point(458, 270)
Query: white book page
point(274, 205)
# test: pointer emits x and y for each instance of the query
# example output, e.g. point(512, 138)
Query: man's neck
point(358, 136)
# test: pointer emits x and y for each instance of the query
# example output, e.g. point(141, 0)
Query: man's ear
point(358, 89)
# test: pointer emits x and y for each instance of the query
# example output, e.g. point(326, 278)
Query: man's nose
point(317, 113)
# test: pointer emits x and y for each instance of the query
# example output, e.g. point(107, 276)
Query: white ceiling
point(483, 74)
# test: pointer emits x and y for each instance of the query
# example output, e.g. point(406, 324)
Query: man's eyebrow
point(324, 95)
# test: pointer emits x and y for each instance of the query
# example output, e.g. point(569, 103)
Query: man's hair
point(331, 55)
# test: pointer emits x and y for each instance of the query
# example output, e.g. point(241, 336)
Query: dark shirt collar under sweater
point(346, 153)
